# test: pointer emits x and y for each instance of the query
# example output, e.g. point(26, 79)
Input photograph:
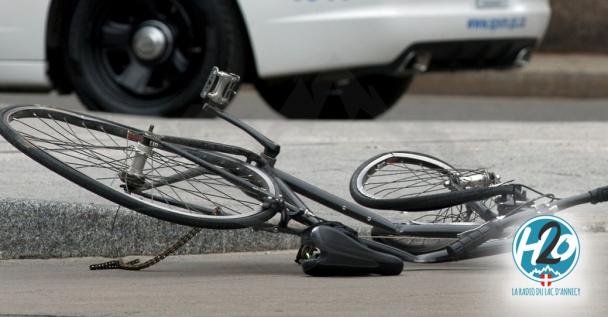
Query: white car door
point(22, 42)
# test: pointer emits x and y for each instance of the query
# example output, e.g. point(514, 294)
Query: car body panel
point(303, 36)
point(22, 43)
point(23, 29)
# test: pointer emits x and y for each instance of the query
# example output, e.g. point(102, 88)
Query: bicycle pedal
point(220, 87)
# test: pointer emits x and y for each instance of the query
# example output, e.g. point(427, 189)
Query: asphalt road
point(248, 105)
point(270, 284)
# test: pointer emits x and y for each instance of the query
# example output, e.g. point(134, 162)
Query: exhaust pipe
point(422, 61)
point(523, 57)
point(415, 62)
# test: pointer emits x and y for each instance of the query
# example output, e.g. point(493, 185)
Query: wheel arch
point(251, 72)
point(57, 31)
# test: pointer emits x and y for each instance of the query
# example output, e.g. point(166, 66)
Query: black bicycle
point(202, 184)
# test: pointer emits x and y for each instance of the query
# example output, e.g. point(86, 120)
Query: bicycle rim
point(406, 175)
point(96, 154)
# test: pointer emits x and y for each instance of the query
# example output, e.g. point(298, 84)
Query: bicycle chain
point(135, 265)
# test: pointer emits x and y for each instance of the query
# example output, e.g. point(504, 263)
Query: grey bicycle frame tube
point(334, 202)
point(491, 247)
point(290, 185)
point(306, 216)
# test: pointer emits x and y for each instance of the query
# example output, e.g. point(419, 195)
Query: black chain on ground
point(136, 266)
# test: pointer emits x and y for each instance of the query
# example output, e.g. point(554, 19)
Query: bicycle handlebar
point(599, 195)
point(271, 149)
point(470, 240)
point(595, 196)
point(217, 93)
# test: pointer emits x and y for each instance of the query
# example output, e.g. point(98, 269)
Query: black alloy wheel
point(151, 57)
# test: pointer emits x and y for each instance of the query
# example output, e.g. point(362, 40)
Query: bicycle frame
point(291, 187)
point(471, 240)
point(293, 208)
point(467, 240)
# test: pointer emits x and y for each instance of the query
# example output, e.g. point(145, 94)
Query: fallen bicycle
point(464, 213)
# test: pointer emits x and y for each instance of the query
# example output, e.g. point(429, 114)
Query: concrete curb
point(44, 229)
point(548, 75)
point(34, 229)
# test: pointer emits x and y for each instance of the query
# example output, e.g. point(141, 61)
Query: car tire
point(350, 97)
point(151, 57)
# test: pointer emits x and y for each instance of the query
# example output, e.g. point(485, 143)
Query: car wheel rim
point(152, 42)
point(149, 49)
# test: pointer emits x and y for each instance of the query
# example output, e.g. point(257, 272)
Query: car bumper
point(463, 55)
point(316, 36)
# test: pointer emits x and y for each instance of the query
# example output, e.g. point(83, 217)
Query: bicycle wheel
point(409, 181)
point(100, 155)
point(393, 180)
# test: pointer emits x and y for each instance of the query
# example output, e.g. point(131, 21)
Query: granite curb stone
point(46, 229)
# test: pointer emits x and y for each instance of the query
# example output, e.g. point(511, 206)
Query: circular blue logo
point(546, 249)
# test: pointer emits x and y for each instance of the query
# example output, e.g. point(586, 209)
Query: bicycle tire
point(420, 202)
point(413, 241)
point(195, 217)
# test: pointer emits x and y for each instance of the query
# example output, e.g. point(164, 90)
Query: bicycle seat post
point(220, 89)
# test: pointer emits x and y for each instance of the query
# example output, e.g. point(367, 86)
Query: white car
point(307, 58)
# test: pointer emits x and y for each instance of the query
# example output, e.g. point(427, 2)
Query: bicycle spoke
point(405, 177)
point(105, 153)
